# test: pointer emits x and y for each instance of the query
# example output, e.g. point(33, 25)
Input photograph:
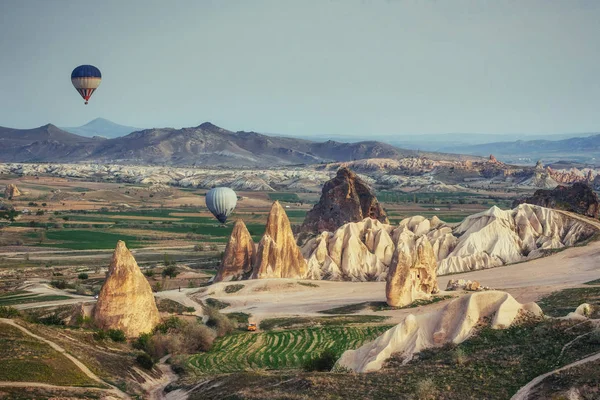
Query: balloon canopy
point(221, 202)
point(86, 79)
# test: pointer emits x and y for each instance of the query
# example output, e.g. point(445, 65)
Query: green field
point(285, 197)
point(280, 349)
point(29, 298)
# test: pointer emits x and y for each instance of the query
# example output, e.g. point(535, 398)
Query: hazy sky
point(305, 67)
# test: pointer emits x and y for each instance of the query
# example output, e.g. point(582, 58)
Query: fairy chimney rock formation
point(345, 198)
point(126, 301)
point(11, 191)
point(278, 256)
point(238, 259)
point(412, 273)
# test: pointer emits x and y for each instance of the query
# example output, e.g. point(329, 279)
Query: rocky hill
point(579, 198)
point(47, 143)
point(345, 198)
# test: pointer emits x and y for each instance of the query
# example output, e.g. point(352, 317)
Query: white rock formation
point(454, 323)
point(363, 250)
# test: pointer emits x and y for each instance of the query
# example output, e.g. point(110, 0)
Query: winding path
point(524, 392)
point(113, 390)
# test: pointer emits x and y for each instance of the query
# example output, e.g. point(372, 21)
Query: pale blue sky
point(306, 67)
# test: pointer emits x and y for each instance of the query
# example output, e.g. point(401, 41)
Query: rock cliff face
point(238, 259)
point(11, 191)
point(454, 323)
point(345, 198)
point(363, 251)
point(579, 198)
point(278, 256)
point(412, 273)
point(126, 301)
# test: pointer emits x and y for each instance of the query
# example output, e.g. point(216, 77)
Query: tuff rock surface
point(455, 323)
point(412, 272)
point(126, 301)
point(238, 259)
point(278, 256)
point(11, 191)
point(362, 251)
point(345, 198)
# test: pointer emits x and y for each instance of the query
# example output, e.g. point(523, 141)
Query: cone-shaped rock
point(11, 191)
point(126, 301)
point(345, 198)
point(238, 259)
point(278, 256)
point(412, 273)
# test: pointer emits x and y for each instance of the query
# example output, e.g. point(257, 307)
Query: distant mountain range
point(577, 149)
point(206, 145)
point(103, 128)
point(210, 145)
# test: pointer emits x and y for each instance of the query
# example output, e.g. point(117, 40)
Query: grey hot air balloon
point(221, 202)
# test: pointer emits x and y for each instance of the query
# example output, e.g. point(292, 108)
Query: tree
point(170, 271)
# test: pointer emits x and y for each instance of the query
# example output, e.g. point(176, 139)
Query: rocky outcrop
point(579, 198)
point(345, 198)
point(238, 258)
point(11, 191)
point(412, 273)
point(278, 256)
point(126, 301)
point(468, 285)
point(363, 251)
point(455, 323)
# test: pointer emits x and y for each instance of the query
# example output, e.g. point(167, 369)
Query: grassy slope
point(26, 359)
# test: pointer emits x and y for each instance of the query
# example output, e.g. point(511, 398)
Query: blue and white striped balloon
point(221, 202)
point(86, 79)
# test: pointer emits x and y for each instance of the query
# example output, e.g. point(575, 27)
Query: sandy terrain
point(526, 281)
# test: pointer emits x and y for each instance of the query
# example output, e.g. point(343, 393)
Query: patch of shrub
point(324, 361)
point(168, 324)
point(219, 322)
point(8, 312)
point(170, 271)
point(426, 390)
point(116, 335)
point(83, 276)
point(189, 337)
point(142, 342)
point(199, 247)
point(145, 361)
point(59, 284)
point(233, 288)
point(100, 334)
point(149, 273)
point(216, 304)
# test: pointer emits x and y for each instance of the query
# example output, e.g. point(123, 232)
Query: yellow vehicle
point(252, 327)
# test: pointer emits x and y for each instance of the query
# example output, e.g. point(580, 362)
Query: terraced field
point(280, 349)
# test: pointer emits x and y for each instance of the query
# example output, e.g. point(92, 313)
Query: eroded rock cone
point(126, 301)
point(238, 259)
point(278, 256)
point(412, 273)
point(345, 198)
point(11, 191)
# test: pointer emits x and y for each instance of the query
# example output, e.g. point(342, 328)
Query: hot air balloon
point(221, 202)
point(86, 79)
